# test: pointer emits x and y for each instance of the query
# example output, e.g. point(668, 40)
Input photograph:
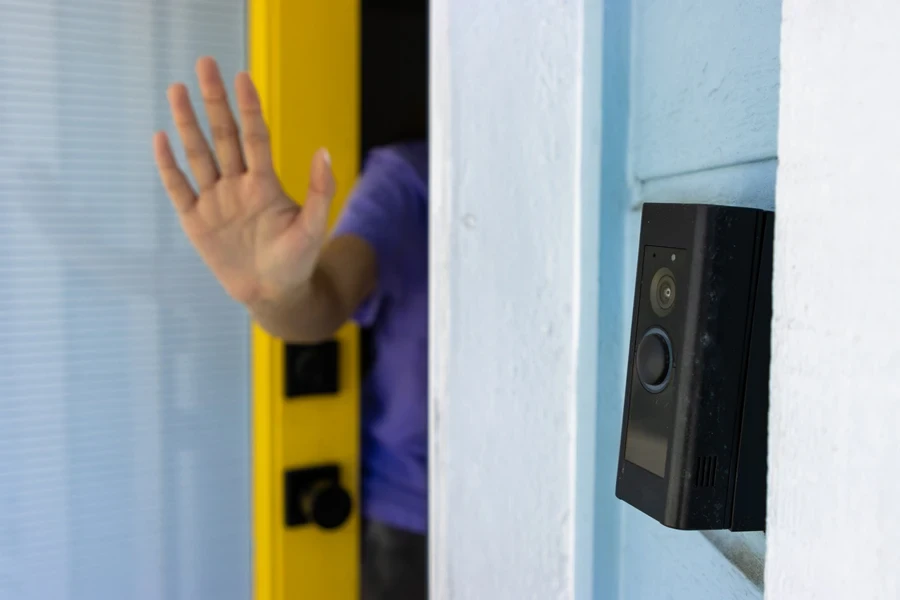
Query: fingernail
point(326, 156)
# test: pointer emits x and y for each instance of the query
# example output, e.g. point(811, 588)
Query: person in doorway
point(301, 284)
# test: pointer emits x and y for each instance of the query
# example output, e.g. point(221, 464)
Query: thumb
point(314, 216)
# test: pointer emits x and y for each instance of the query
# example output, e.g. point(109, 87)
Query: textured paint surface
point(504, 300)
point(676, 565)
point(705, 83)
point(834, 421)
point(589, 558)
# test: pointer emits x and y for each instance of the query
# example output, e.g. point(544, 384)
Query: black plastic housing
point(693, 449)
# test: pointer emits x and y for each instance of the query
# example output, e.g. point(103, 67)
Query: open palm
point(256, 240)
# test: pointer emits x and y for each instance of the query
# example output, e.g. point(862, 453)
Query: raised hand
point(256, 240)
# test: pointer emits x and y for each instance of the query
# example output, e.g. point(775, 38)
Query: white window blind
point(124, 369)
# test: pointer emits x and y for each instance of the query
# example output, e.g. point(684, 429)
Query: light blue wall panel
point(690, 105)
point(662, 563)
point(705, 76)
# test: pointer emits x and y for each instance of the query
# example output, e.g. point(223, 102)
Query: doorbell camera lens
point(662, 292)
point(666, 292)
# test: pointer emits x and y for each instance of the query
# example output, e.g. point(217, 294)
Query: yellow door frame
point(304, 57)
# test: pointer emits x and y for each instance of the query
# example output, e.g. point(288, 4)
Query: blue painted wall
point(689, 114)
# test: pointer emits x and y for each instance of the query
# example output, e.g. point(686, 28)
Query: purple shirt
point(388, 208)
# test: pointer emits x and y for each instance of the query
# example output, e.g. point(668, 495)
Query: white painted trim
point(440, 243)
point(585, 330)
point(833, 529)
point(505, 264)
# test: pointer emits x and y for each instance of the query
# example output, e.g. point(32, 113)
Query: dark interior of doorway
point(394, 67)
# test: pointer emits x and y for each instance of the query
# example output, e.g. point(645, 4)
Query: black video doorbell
point(693, 448)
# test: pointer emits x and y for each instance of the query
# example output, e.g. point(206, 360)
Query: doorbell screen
point(646, 448)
